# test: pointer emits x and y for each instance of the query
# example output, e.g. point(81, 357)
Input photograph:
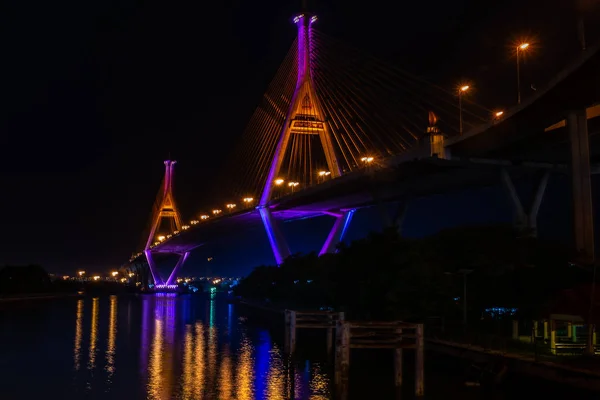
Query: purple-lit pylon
point(305, 116)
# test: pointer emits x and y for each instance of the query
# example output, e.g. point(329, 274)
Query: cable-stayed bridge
point(338, 130)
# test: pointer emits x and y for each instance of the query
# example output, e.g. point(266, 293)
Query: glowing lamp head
point(293, 184)
point(216, 212)
point(498, 114)
point(367, 159)
point(523, 46)
point(114, 273)
point(279, 181)
point(81, 273)
point(203, 217)
point(248, 199)
point(313, 19)
point(297, 18)
point(230, 206)
point(324, 173)
point(464, 88)
point(161, 238)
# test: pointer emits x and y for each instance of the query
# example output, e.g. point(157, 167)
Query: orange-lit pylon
point(165, 207)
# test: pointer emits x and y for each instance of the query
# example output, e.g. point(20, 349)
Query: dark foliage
point(24, 279)
point(385, 276)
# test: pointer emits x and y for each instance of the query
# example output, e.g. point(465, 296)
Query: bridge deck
point(420, 177)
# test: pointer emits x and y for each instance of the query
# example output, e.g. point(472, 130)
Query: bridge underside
point(418, 178)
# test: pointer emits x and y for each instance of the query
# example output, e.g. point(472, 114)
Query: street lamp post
point(464, 273)
point(461, 90)
point(520, 48)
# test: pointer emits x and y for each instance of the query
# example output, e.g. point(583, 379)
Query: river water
point(186, 347)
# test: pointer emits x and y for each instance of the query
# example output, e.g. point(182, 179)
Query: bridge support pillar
point(526, 222)
point(583, 218)
point(173, 276)
point(336, 235)
point(281, 251)
point(398, 220)
point(153, 268)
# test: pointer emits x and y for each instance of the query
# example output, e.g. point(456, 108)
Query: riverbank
point(38, 296)
point(582, 377)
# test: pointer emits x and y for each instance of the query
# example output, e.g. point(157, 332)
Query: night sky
point(96, 94)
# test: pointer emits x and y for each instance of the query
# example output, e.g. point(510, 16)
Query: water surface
point(187, 347)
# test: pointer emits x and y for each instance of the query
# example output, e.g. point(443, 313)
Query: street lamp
point(81, 273)
point(114, 273)
point(464, 273)
point(461, 90)
point(322, 175)
point(279, 181)
point(230, 206)
point(204, 217)
point(367, 160)
point(216, 211)
point(520, 48)
point(498, 114)
point(161, 238)
point(293, 185)
point(248, 200)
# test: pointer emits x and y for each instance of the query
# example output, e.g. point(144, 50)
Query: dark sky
point(96, 94)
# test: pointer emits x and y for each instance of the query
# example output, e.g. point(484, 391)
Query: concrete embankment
point(583, 375)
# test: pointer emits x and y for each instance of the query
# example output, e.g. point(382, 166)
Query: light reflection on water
point(180, 348)
point(186, 348)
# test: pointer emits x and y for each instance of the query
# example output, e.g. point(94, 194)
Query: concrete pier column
point(525, 221)
point(545, 330)
point(336, 235)
point(583, 218)
point(281, 251)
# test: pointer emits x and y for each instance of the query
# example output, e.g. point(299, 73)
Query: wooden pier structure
point(395, 335)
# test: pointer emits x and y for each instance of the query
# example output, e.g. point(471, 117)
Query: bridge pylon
point(164, 208)
point(305, 116)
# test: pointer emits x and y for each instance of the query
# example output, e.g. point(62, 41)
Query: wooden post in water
point(329, 336)
point(292, 332)
point(344, 360)
point(398, 360)
point(286, 335)
point(419, 361)
point(337, 376)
